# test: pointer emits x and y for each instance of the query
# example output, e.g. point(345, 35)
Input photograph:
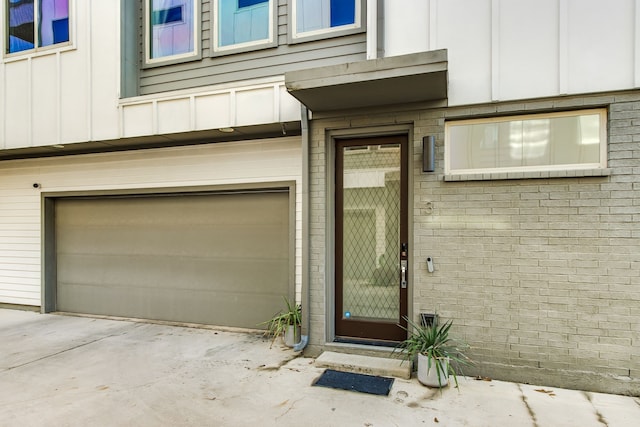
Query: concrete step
point(364, 364)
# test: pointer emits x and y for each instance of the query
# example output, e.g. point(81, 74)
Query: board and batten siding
point(64, 95)
point(72, 94)
point(246, 162)
point(256, 64)
point(502, 50)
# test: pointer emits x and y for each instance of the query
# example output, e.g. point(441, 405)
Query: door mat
point(355, 382)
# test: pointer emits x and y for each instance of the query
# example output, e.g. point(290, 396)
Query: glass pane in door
point(371, 232)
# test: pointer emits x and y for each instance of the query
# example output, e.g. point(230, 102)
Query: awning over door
point(413, 78)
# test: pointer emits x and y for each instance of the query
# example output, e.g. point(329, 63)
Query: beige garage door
point(220, 259)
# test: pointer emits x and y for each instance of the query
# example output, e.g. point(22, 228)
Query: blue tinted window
point(49, 26)
point(167, 16)
point(243, 21)
point(172, 28)
point(318, 15)
point(247, 3)
point(21, 25)
point(343, 12)
point(60, 30)
point(54, 22)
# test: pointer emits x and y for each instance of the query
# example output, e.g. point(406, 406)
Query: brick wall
point(540, 276)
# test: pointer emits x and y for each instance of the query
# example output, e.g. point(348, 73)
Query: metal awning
point(417, 77)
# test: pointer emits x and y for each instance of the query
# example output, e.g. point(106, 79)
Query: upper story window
point(35, 24)
point(322, 18)
point(241, 25)
point(172, 30)
point(539, 142)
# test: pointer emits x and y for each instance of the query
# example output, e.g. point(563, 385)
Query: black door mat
point(355, 382)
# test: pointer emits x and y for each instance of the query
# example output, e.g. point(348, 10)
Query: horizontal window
point(243, 24)
point(540, 142)
point(317, 17)
point(34, 24)
point(172, 30)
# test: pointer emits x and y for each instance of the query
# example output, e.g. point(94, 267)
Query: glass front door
point(371, 238)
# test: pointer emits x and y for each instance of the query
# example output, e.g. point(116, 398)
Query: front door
point(371, 239)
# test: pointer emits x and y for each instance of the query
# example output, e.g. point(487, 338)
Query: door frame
point(333, 250)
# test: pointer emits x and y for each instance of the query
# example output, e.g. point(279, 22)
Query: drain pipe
point(372, 29)
point(306, 215)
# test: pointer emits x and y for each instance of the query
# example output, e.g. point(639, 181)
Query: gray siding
point(130, 47)
point(249, 65)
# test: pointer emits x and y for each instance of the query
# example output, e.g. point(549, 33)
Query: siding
point(506, 50)
point(66, 95)
point(19, 242)
point(215, 164)
point(251, 65)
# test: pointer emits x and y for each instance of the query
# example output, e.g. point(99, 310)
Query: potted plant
point(436, 351)
point(286, 324)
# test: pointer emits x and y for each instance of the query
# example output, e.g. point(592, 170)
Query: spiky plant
point(436, 345)
point(277, 325)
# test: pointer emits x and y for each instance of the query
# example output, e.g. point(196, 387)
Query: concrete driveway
point(75, 371)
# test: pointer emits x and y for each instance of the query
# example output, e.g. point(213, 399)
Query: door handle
point(403, 274)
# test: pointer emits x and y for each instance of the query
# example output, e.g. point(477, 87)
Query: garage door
point(220, 259)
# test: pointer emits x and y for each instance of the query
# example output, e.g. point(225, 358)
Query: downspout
point(372, 53)
point(372, 29)
point(306, 215)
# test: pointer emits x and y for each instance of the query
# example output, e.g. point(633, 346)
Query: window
point(243, 24)
point(318, 17)
point(540, 142)
point(34, 24)
point(172, 30)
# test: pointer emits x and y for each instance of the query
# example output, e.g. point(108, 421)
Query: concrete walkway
point(73, 371)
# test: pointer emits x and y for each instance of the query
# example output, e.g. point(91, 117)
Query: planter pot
point(292, 335)
point(429, 375)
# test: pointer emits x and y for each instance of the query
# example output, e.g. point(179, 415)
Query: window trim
point(359, 26)
point(271, 41)
point(196, 54)
point(602, 112)
point(37, 50)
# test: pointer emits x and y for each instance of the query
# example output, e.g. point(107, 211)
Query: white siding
point(241, 104)
point(600, 39)
point(46, 110)
point(469, 41)
point(17, 131)
point(415, 35)
point(214, 164)
point(528, 47)
point(71, 95)
point(518, 49)
point(65, 95)
point(105, 72)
